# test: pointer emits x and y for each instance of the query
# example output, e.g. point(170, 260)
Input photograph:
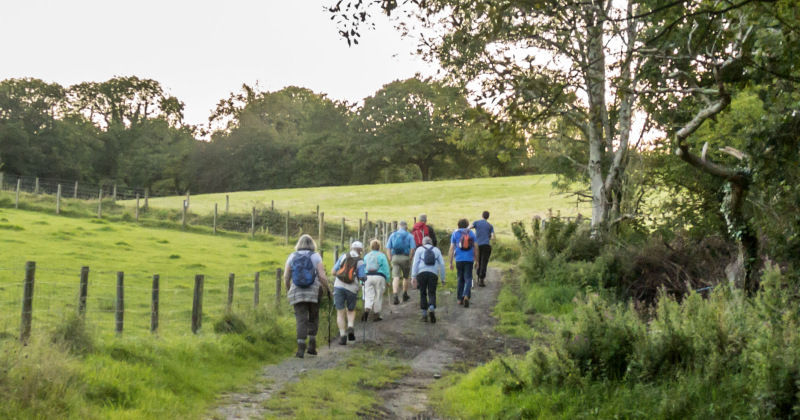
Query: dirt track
point(460, 335)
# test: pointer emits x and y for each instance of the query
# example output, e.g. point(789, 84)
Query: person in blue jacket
point(464, 251)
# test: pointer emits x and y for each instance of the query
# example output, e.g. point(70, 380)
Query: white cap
point(357, 245)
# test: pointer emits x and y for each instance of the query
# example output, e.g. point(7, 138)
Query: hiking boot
point(466, 302)
point(365, 315)
point(376, 317)
point(424, 318)
point(351, 334)
point(461, 301)
point(343, 341)
point(312, 346)
point(432, 316)
point(395, 300)
point(301, 348)
point(406, 297)
point(481, 283)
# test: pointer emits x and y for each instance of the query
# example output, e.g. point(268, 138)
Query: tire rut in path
point(463, 336)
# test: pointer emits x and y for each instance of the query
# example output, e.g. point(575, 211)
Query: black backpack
point(429, 257)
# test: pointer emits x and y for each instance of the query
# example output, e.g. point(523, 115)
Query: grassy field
point(508, 199)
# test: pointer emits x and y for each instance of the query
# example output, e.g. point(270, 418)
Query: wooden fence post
point(114, 194)
point(360, 228)
point(335, 253)
point(278, 279)
point(58, 200)
point(215, 218)
point(229, 304)
point(154, 304)
point(137, 207)
point(75, 191)
point(256, 289)
point(1, 181)
point(27, 301)
point(227, 202)
point(341, 241)
point(272, 205)
point(287, 227)
point(36, 188)
point(197, 303)
point(146, 198)
point(187, 199)
point(253, 224)
point(16, 200)
point(317, 209)
point(100, 204)
point(321, 228)
point(83, 291)
point(120, 307)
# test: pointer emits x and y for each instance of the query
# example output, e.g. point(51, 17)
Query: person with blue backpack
point(401, 246)
point(463, 249)
point(349, 271)
point(378, 275)
point(304, 275)
point(427, 269)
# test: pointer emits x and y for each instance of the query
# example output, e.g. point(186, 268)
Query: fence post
point(360, 227)
point(154, 304)
point(321, 228)
point(16, 200)
point(335, 253)
point(183, 215)
point(256, 289)
point(83, 291)
point(197, 303)
point(278, 278)
point(114, 194)
point(1, 181)
point(227, 202)
point(58, 200)
point(272, 205)
point(187, 199)
point(317, 209)
point(75, 191)
point(146, 198)
point(341, 240)
point(215, 218)
point(287, 227)
point(120, 309)
point(100, 204)
point(36, 188)
point(231, 278)
point(137, 207)
point(253, 224)
point(27, 301)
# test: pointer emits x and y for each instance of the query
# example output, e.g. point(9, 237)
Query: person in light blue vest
point(401, 248)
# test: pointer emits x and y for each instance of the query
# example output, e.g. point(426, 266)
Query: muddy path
point(461, 337)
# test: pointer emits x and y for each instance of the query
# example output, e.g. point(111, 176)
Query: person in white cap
point(349, 270)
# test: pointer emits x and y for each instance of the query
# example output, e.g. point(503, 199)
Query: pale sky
point(200, 50)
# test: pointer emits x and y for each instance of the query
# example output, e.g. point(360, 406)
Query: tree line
point(128, 131)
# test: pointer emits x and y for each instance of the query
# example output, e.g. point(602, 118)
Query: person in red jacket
point(421, 229)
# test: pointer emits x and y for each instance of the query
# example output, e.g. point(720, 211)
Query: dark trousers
point(427, 283)
point(464, 274)
point(484, 252)
point(306, 314)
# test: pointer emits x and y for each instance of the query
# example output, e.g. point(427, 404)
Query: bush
point(72, 335)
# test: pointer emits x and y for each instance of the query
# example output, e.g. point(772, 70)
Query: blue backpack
point(399, 245)
point(303, 270)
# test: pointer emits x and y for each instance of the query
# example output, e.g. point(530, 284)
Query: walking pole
point(330, 306)
point(364, 323)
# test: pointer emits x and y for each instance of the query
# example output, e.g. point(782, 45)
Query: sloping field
point(60, 246)
point(508, 199)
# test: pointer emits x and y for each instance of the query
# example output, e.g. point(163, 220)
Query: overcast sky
point(200, 50)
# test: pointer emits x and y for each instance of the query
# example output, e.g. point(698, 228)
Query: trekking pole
point(330, 306)
point(364, 323)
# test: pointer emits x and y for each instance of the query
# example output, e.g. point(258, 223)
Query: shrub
point(72, 335)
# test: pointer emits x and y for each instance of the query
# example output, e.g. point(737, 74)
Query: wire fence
point(112, 302)
point(70, 188)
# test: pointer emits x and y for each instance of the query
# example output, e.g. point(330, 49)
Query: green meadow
point(508, 199)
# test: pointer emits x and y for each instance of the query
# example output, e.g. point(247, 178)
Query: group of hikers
point(412, 259)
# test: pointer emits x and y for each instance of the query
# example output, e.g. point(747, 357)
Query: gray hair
point(427, 241)
point(306, 242)
point(423, 218)
point(403, 224)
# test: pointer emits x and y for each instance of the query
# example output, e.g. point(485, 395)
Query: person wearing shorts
point(345, 295)
point(401, 247)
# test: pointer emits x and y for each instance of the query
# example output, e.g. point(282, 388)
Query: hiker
point(484, 236)
point(401, 247)
point(377, 267)
point(422, 229)
point(426, 271)
point(305, 280)
point(462, 247)
point(349, 271)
